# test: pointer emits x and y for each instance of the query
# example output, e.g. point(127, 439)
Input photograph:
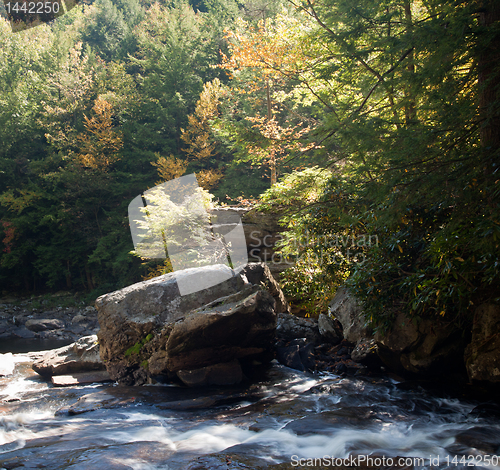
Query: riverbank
point(45, 320)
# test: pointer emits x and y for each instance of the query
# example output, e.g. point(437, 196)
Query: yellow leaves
point(198, 135)
point(275, 48)
point(442, 313)
point(459, 259)
point(169, 168)
point(19, 202)
point(400, 249)
point(101, 143)
point(209, 179)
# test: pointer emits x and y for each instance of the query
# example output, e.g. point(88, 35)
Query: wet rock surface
point(299, 354)
point(482, 438)
point(79, 378)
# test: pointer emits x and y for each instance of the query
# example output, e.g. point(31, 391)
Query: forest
point(368, 120)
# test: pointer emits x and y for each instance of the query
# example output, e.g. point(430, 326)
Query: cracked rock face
point(482, 355)
point(82, 355)
point(150, 332)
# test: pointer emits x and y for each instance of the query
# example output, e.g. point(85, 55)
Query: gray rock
point(44, 324)
point(366, 353)
point(239, 325)
point(290, 327)
point(260, 274)
point(79, 378)
point(426, 347)
point(329, 329)
point(482, 355)
point(348, 311)
point(149, 331)
point(81, 356)
point(23, 332)
point(298, 354)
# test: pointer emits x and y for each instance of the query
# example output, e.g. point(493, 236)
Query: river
point(281, 419)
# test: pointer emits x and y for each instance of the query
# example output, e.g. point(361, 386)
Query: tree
point(100, 144)
point(413, 108)
point(202, 147)
point(271, 57)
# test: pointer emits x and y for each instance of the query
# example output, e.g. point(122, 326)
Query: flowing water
point(277, 421)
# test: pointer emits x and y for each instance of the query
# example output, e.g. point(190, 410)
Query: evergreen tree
point(412, 126)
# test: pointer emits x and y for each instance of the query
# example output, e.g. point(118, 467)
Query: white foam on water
point(303, 386)
point(15, 427)
point(389, 439)
point(139, 465)
point(7, 364)
point(23, 378)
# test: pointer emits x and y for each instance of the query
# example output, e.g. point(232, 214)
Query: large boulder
point(150, 332)
point(482, 355)
point(330, 329)
point(290, 327)
point(349, 312)
point(260, 274)
point(426, 346)
point(80, 356)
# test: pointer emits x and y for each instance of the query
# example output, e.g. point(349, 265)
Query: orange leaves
point(274, 49)
point(169, 168)
point(209, 179)
point(198, 135)
point(10, 234)
point(282, 140)
point(101, 143)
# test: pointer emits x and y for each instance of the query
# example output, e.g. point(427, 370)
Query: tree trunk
point(489, 83)
point(410, 108)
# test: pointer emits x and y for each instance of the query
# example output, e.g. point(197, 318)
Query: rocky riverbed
point(45, 320)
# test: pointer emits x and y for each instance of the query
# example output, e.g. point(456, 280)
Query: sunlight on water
point(135, 465)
